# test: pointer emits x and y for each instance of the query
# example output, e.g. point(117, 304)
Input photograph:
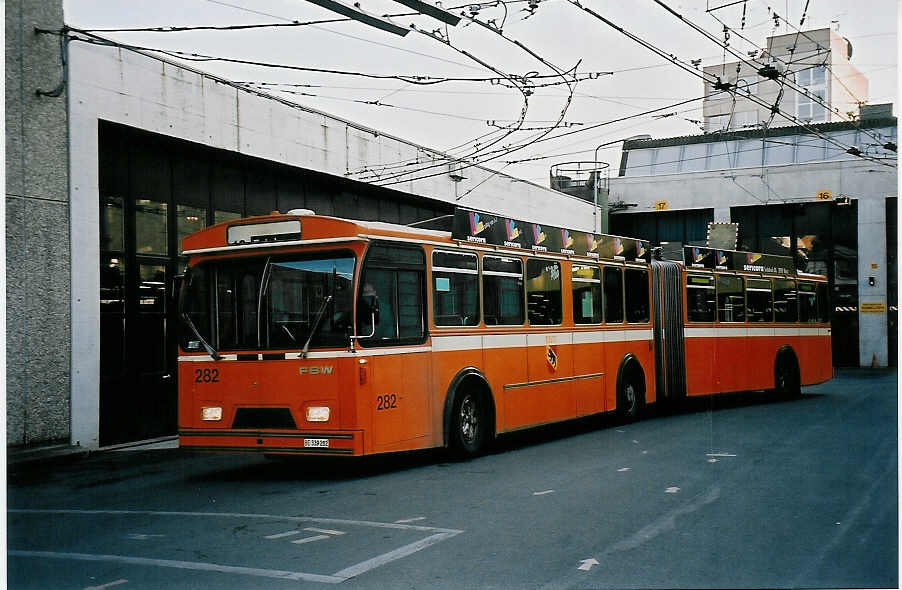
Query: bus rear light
point(211, 413)
point(317, 413)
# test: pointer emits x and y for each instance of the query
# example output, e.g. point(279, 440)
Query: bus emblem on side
point(324, 370)
point(551, 357)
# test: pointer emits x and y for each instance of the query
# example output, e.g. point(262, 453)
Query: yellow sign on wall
point(661, 205)
point(824, 195)
point(872, 307)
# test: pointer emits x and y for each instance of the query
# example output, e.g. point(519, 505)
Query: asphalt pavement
point(737, 491)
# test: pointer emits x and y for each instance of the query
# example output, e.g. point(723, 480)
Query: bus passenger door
point(397, 358)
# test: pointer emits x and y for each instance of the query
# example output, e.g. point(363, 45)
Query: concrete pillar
point(872, 325)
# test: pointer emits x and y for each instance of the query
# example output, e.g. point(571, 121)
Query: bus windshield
point(268, 302)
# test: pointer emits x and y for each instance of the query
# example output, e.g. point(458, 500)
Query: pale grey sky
point(449, 114)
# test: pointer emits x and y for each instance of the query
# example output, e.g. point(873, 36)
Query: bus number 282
point(386, 402)
point(206, 375)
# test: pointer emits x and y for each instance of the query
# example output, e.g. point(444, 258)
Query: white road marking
point(438, 534)
point(310, 539)
point(622, 469)
point(672, 490)
point(185, 565)
point(543, 493)
point(719, 455)
point(406, 520)
point(141, 536)
point(587, 564)
point(324, 531)
point(283, 535)
point(618, 430)
point(635, 442)
point(108, 584)
point(365, 566)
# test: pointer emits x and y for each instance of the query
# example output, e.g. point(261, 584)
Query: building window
point(810, 107)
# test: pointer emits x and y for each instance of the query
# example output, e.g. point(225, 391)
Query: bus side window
point(700, 301)
point(613, 295)
point(786, 307)
point(395, 276)
point(636, 283)
point(823, 303)
point(759, 299)
point(586, 281)
point(730, 300)
point(807, 303)
point(455, 289)
point(543, 292)
point(502, 290)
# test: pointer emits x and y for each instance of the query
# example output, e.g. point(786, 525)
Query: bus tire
point(470, 432)
point(630, 390)
point(787, 382)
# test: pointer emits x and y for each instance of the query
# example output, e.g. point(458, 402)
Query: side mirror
point(177, 282)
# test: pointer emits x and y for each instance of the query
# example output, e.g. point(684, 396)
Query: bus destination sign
point(495, 230)
point(700, 257)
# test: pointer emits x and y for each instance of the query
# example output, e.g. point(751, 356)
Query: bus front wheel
point(469, 424)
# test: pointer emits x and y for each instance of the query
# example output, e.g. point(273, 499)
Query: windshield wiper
point(319, 316)
point(210, 350)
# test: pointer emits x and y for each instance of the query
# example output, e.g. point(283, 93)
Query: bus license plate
point(316, 443)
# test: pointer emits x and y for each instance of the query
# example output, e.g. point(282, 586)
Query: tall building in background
point(818, 60)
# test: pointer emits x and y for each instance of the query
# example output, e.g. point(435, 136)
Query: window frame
point(477, 273)
point(366, 264)
point(626, 299)
point(622, 321)
point(493, 273)
point(560, 291)
point(758, 289)
point(717, 295)
point(599, 285)
point(712, 288)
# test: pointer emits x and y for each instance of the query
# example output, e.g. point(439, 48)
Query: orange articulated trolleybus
point(305, 334)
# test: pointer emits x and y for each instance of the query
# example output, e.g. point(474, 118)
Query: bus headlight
point(211, 413)
point(317, 413)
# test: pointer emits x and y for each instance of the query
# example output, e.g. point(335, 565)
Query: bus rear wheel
point(469, 424)
point(629, 396)
point(787, 382)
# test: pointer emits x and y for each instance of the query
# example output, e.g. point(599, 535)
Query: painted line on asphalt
point(324, 531)
point(310, 539)
point(365, 566)
point(108, 584)
point(545, 493)
point(438, 535)
point(283, 535)
point(184, 565)
point(365, 523)
point(406, 520)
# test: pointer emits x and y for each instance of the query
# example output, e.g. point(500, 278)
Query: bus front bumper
point(348, 442)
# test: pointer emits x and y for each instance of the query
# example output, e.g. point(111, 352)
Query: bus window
point(455, 289)
point(543, 292)
point(807, 303)
point(730, 300)
point(613, 295)
point(502, 290)
point(700, 301)
point(636, 283)
point(586, 281)
point(823, 303)
point(759, 300)
point(395, 276)
point(785, 305)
